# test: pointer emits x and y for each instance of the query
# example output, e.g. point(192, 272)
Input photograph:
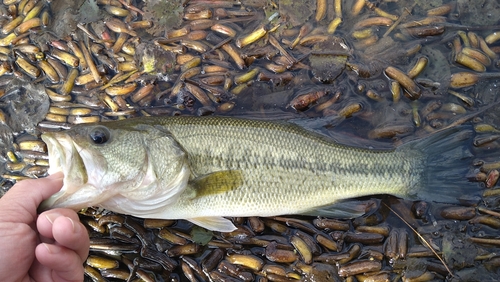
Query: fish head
point(129, 168)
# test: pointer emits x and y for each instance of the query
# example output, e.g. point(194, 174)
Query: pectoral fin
point(214, 223)
point(345, 209)
point(217, 182)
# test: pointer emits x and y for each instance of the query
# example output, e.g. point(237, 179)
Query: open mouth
point(57, 153)
point(63, 157)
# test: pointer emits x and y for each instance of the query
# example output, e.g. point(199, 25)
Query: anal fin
point(214, 223)
point(346, 209)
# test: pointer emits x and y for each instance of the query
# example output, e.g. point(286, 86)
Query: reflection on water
point(370, 73)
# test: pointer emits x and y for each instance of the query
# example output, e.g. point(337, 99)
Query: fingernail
point(51, 217)
point(49, 248)
point(73, 224)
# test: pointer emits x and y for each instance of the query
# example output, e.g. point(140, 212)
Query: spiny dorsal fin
point(218, 182)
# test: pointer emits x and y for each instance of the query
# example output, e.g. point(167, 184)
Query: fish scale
point(231, 167)
point(303, 168)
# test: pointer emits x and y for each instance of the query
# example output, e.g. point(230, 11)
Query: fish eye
point(99, 135)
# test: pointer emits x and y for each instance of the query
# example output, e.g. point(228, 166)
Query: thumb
point(20, 203)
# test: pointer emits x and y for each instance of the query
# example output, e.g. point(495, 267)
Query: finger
point(44, 187)
point(72, 235)
point(45, 220)
point(19, 204)
point(66, 265)
point(65, 228)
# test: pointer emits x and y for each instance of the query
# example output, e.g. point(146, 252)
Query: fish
point(205, 169)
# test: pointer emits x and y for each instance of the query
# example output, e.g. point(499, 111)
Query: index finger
point(20, 203)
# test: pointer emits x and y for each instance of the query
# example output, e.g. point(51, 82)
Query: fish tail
point(447, 160)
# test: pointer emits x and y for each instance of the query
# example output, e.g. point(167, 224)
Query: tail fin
point(448, 160)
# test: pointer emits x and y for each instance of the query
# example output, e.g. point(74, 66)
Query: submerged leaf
point(200, 235)
point(90, 12)
point(165, 15)
point(478, 12)
point(154, 60)
point(297, 12)
point(438, 70)
point(25, 103)
point(428, 4)
point(327, 68)
point(66, 17)
point(458, 252)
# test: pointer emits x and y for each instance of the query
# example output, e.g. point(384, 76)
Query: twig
point(422, 239)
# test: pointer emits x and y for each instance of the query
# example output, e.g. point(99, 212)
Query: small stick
point(421, 238)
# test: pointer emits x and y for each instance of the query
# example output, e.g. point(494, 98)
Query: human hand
point(51, 246)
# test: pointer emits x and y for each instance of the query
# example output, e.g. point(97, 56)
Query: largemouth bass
point(203, 169)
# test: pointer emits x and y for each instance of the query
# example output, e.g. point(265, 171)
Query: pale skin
point(50, 246)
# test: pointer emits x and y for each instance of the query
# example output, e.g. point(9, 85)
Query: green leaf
point(201, 236)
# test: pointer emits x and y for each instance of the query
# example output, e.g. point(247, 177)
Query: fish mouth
point(59, 152)
point(64, 157)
